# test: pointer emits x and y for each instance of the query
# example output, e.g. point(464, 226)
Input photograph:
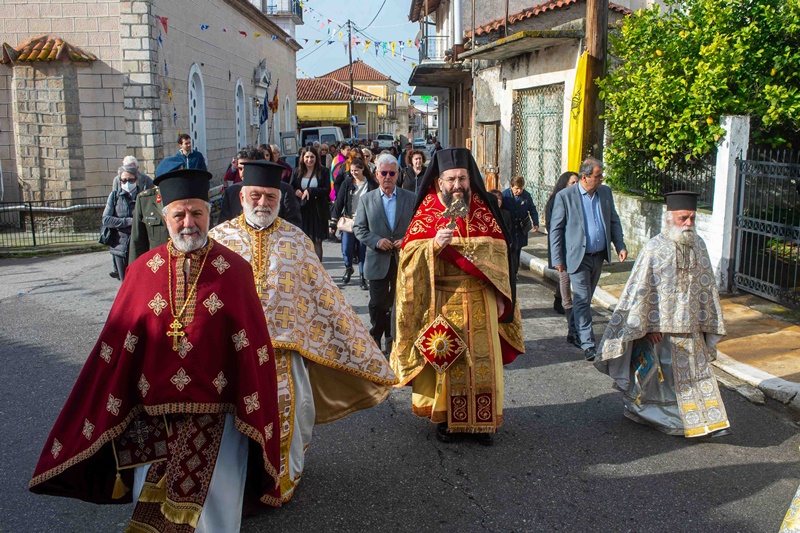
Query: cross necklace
point(175, 329)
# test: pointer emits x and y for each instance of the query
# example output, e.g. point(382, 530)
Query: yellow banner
point(576, 143)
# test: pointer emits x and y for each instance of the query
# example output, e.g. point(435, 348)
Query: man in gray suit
point(382, 218)
point(584, 224)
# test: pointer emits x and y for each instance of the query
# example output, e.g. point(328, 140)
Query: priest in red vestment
point(457, 320)
point(176, 406)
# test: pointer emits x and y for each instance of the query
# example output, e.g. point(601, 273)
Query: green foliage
point(681, 70)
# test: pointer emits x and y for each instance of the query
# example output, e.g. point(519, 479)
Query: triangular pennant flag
point(163, 21)
point(306, 40)
point(166, 71)
point(274, 37)
point(256, 35)
point(225, 30)
point(316, 41)
point(204, 27)
point(243, 33)
point(160, 41)
point(393, 45)
point(366, 45)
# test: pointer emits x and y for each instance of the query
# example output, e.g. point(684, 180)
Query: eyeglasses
point(129, 180)
point(390, 173)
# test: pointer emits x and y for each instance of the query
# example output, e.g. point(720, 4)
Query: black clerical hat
point(448, 158)
point(183, 184)
point(261, 174)
point(682, 200)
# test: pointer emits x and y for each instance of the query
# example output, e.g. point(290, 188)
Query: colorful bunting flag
point(243, 33)
point(204, 26)
point(163, 21)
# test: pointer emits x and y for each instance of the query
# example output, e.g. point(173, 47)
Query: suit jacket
point(371, 225)
point(568, 232)
point(232, 207)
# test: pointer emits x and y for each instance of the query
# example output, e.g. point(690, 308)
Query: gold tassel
point(660, 374)
point(638, 400)
point(120, 489)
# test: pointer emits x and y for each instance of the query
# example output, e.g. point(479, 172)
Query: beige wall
point(96, 26)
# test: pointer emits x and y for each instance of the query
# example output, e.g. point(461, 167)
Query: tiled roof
point(361, 72)
point(45, 48)
point(550, 5)
point(316, 89)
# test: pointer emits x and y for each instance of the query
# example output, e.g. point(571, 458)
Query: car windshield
point(385, 137)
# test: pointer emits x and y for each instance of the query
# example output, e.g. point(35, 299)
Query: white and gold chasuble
point(328, 364)
point(671, 385)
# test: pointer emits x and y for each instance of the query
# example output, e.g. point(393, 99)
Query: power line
point(376, 15)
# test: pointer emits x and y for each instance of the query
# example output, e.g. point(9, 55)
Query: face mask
point(130, 186)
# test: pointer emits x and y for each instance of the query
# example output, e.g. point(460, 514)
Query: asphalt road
point(565, 459)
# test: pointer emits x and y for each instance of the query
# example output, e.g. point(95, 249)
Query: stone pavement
point(760, 350)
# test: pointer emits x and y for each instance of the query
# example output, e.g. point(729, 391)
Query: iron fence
point(644, 178)
point(433, 48)
point(44, 222)
point(768, 225)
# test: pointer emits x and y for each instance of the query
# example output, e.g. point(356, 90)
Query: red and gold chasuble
point(147, 384)
point(462, 282)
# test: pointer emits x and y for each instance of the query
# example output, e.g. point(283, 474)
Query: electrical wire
point(376, 16)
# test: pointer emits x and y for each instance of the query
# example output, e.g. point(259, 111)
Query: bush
point(678, 72)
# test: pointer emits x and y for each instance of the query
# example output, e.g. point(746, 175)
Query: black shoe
point(557, 307)
point(589, 354)
point(485, 439)
point(347, 273)
point(364, 286)
point(114, 275)
point(576, 341)
point(387, 346)
point(442, 434)
point(571, 339)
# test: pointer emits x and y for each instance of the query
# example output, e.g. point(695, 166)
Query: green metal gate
point(538, 122)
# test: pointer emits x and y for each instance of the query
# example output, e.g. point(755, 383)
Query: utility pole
point(350, 50)
point(596, 44)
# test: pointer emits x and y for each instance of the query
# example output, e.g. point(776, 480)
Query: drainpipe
point(457, 24)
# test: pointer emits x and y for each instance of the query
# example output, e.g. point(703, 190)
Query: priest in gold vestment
point(457, 321)
point(328, 364)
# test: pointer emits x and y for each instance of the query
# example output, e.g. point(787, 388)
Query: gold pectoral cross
point(176, 326)
point(457, 209)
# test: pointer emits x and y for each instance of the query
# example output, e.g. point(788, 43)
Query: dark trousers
point(353, 251)
point(121, 263)
point(381, 301)
point(584, 282)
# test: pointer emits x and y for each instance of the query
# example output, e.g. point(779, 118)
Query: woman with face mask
point(118, 216)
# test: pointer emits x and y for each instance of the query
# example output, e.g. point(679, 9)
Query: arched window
point(241, 116)
point(197, 109)
point(287, 116)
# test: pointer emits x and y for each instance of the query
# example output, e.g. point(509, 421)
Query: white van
point(323, 134)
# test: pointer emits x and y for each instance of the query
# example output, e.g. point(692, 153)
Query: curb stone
point(786, 392)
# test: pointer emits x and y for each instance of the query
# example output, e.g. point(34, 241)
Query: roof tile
point(361, 72)
point(45, 48)
point(315, 89)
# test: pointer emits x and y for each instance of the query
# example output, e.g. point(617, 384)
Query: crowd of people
point(186, 354)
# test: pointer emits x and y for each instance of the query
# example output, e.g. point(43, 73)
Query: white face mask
point(130, 186)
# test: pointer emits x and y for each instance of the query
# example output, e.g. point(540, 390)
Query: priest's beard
point(447, 198)
point(679, 234)
point(261, 217)
point(188, 239)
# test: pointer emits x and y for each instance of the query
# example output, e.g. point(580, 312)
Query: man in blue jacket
point(524, 217)
point(585, 223)
point(192, 158)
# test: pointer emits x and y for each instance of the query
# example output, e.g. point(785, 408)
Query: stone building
point(85, 83)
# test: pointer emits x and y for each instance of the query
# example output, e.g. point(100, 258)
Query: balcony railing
point(433, 48)
point(284, 7)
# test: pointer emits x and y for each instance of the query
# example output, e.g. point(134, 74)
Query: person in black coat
point(312, 185)
point(412, 175)
point(232, 207)
point(562, 304)
point(347, 197)
point(524, 216)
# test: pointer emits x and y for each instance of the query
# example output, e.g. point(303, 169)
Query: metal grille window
point(197, 110)
point(538, 124)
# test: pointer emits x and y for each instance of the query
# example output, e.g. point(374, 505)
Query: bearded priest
point(175, 408)
point(328, 364)
point(661, 340)
point(457, 320)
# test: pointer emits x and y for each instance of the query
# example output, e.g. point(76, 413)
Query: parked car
point(323, 134)
point(419, 143)
point(385, 140)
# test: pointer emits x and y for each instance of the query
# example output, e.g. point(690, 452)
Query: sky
point(391, 24)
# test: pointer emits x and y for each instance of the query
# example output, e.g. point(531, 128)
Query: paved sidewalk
point(763, 341)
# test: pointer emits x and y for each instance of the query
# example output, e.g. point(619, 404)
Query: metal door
point(538, 124)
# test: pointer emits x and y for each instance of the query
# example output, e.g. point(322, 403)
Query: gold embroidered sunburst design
point(439, 345)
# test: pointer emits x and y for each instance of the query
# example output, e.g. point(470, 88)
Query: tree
point(679, 71)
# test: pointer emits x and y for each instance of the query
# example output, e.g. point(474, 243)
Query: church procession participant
point(457, 321)
point(661, 340)
point(328, 365)
point(175, 408)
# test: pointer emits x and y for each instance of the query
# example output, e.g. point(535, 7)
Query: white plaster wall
point(544, 67)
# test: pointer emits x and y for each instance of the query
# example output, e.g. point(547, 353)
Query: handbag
point(345, 224)
point(527, 224)
point(107, 236)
